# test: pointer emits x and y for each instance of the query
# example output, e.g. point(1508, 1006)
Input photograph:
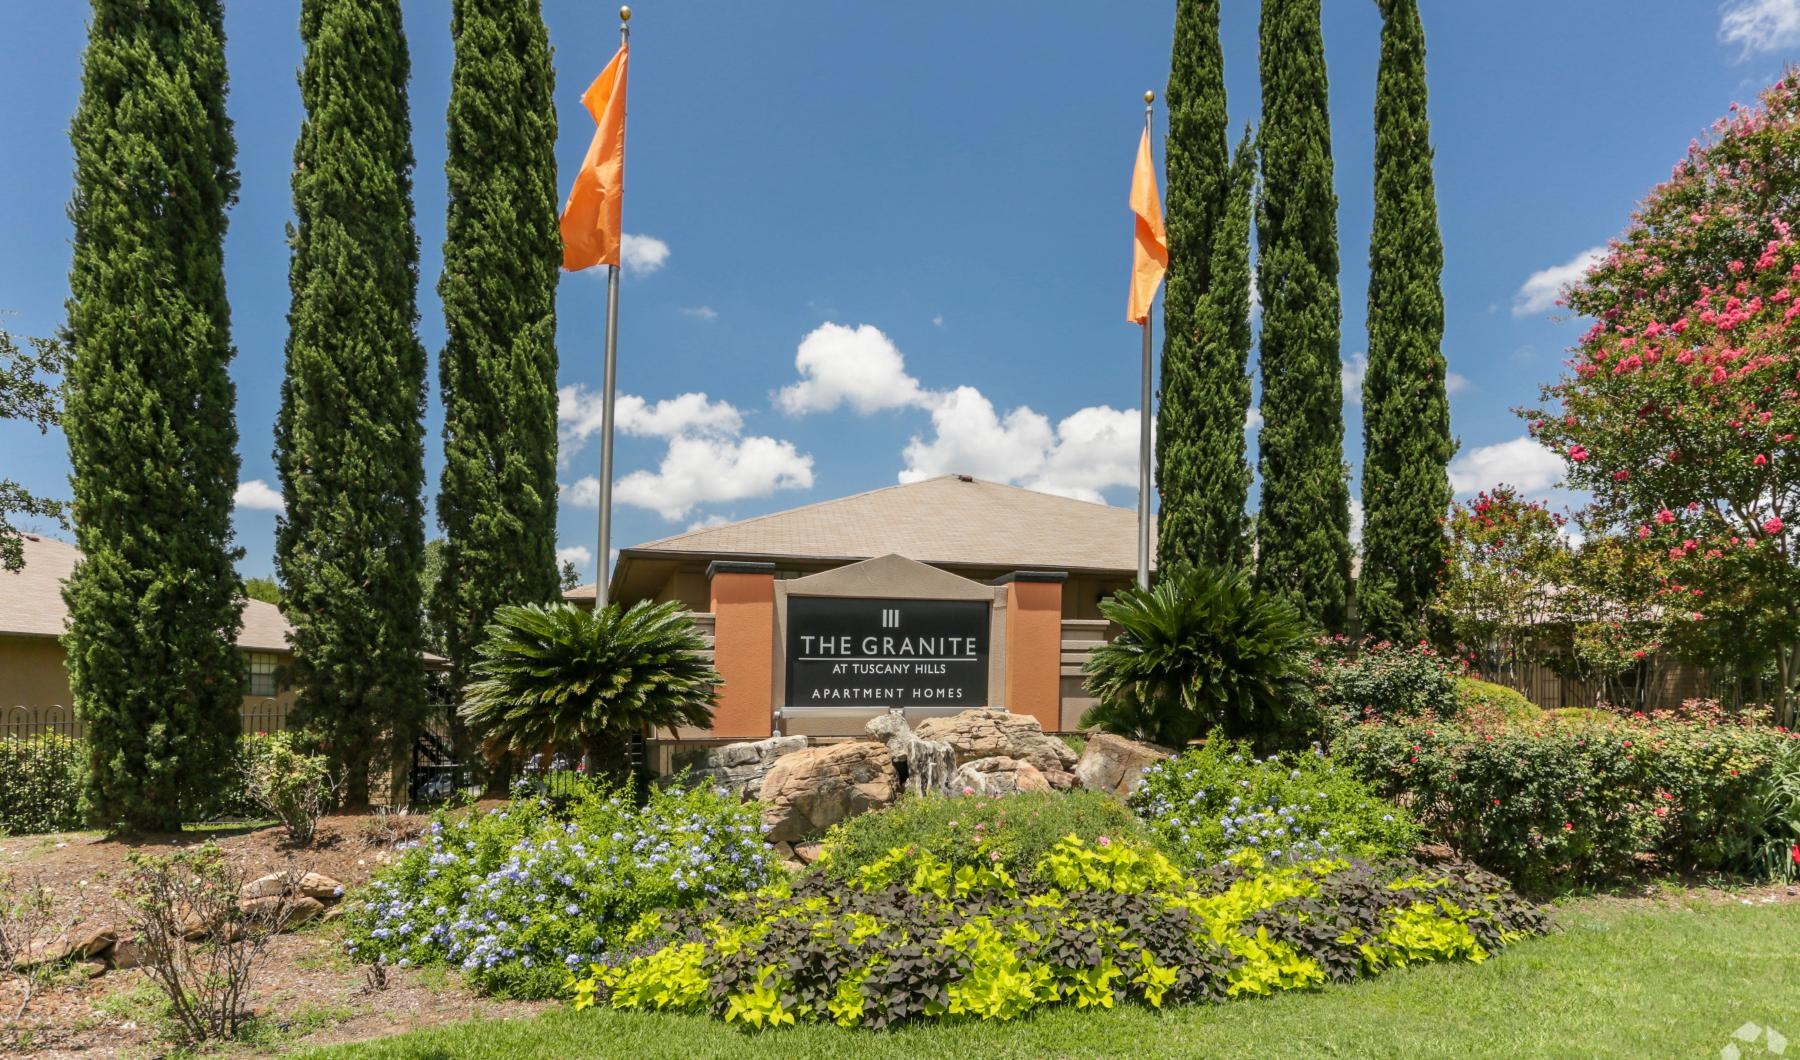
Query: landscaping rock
point(82, 943)
point(1061, 780)
point(976, 734)
point(93, 969)
point(275, 884)
point(320, 886)
point(1115, 764)
point(741, 767)
point(924, 766)
point(128, 953)
point(998, 775)
point(807, 853)
point(808, 791)
point(298, 910)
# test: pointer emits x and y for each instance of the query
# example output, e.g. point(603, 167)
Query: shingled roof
point(31, 602)
point(952, 520)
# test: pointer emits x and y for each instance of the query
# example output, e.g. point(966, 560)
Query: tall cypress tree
point(1303, 528)
point(153, 609)
point(1406, 409)
point(349, 439)
point(1202, 476)
point(502, 252)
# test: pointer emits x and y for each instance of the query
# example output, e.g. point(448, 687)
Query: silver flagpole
point(1143, 543)
point(603, 562)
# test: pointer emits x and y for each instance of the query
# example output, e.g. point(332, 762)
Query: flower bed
point(1096, 925)
point(1214, 802)
point(517, 896)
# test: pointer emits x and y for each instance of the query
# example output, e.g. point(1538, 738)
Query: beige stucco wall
point(32, 676)
point(31, 673)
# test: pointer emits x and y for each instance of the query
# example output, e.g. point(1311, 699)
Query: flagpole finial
point(1150, 97)
point(624, 14)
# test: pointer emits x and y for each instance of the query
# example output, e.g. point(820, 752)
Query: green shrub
point(42, 781)
point(1214, 802)
point(226, 796)
point(517, 896)
point(1099, 925)
point(1582, 717)
point(1557, 804)
point(1485, 701)
point(1383, 680)
point(973, 829)
point(289, 784)
point(1199, 651)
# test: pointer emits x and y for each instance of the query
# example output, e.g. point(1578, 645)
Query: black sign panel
point(886, 653)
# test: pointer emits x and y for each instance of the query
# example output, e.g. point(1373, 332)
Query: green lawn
point(1617, 979)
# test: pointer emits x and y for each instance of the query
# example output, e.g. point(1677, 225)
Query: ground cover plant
point(1219, 800)
point(1012, 832)
point(1096, 924)
point(1554, 803)
point(516, 896)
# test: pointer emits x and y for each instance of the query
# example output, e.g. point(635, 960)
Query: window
point(265, 674)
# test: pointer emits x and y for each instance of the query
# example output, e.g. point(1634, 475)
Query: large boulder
point(998, 775)
point(1115, 764)
point(740, 767)
point(976, 734)
point(808, 791)
point(924, 766)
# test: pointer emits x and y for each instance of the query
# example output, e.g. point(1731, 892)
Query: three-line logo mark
point(890, 618)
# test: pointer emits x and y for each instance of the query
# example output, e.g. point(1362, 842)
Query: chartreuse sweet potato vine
point(1092, 925)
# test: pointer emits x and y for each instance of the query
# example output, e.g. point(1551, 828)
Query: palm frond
point(559, 675)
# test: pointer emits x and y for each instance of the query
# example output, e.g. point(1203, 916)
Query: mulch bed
point(306, 991)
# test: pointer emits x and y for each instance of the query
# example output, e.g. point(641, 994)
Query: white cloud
point(1760, 25)
point(1521, 463)
point(1354, 370)
point(938, 320)
point(1542, 288)
point(580, 555)
point(257, 495)
point(1456, 383)
point(700, 312)
point(642, 254)
point(1356, 521)
point(578, 415)
point(1088, 451)
point(859, 366)
point(697, 471)
point(1253, 419)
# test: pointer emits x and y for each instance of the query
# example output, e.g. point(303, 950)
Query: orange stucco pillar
point(1034, 645)
point(743, 607)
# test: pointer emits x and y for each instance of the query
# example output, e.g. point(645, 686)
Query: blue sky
point(886, 241)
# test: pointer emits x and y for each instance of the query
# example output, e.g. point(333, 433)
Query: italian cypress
point(502, 252)
point(153, 608)
point(349, 438)
point(1303, 528)
point(1406, 409)
point(1202, 475)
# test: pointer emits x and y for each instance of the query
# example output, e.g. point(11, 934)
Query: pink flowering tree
point(1681, 404)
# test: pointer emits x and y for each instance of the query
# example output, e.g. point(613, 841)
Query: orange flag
point(591, 220)
point(1150, 249)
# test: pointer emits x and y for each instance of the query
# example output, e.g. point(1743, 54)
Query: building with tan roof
point(929, 598)
point(980, 530)
point(34, 686)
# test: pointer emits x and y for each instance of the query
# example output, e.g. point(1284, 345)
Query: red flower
point(1568, 827)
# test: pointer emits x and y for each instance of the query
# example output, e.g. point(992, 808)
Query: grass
point(1619, 978)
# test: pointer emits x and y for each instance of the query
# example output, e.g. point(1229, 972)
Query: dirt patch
point(306, 993)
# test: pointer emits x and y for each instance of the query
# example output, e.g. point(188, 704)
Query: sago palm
point(561, 676)
point(1203, 649)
